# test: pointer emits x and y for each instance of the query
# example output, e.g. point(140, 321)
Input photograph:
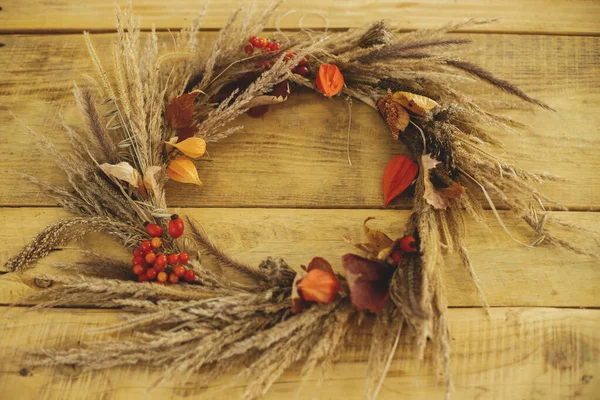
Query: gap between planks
point(34, 31)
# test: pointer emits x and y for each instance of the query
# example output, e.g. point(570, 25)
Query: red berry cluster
point(301, 68)
point(408, 244)
point(149, 264)
point(261, 43)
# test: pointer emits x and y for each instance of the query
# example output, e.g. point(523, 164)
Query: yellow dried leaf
point(192, 147)
point(124, 172)
point(413, 102)
point(183, 170)
point(375, 243)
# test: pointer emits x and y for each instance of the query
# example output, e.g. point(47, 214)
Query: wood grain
point(518, 353)
point(296, 155)
point(509, 273)
point(533, 16)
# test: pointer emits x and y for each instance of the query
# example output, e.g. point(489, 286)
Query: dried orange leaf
point(192, 147)
point(368, 282)
point(181, 110)
point(330, 80)
point(431, 195)
point(414, 102)
point(183, 170)
point(319, 286)
point(377, 238)
point(123, 171)
point(399, 174)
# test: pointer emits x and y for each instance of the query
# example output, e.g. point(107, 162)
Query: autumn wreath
point(149, 119)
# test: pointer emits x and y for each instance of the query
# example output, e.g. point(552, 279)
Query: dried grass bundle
point(243, 315)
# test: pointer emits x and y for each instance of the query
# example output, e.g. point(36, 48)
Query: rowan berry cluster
point(150, 264)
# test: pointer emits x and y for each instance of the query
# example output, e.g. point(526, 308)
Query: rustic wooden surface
point(283, 187)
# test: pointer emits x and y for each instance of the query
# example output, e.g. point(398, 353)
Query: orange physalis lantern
point(319, 286)
point(330, 80)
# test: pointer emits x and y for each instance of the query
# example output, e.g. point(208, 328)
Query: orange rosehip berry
point(260, 42)
point(137, 260)
point(176, 226)
point(151, 273)
point(154, 230)
point(162, 277)
point(179, 271)
point(173, 259)
point(184, 257)
point(189, 276)
point(173, 278)
point(150, 258)
point(146, 246)
point(408, 244)
point(156, 242)
point(138, 269)
point(161, 262)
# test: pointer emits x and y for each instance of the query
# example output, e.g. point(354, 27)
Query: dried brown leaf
point(433, 197)
point(180, 110)
point(368, 282)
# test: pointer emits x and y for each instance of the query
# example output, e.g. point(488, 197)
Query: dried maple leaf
point(399, 174)
point(395, 116)
point(413, 102)
point(376, 242)
point(433, 197)
point(180, 110)
point(368, 282)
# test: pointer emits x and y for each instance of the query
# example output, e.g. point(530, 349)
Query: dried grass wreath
point(161, 107)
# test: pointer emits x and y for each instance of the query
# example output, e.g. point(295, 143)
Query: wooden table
point(283, 187)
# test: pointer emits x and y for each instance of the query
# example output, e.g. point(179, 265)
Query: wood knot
point(42, 282)
point(24, 372)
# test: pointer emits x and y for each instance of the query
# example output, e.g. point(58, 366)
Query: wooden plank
point(519, 353)
point(539, 16)
point(509, 273)
point(296, 156)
